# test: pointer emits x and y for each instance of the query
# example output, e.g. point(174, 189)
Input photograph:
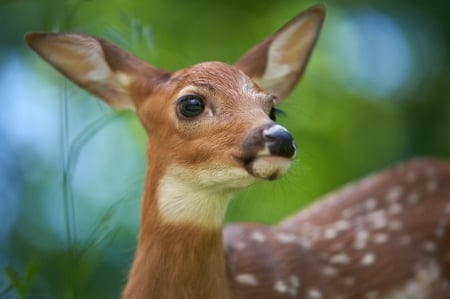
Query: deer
point(212, 132)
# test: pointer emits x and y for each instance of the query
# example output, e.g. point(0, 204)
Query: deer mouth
point(266, 167)
point(268, 151)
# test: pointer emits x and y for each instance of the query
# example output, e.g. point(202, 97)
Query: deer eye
point(190, 106)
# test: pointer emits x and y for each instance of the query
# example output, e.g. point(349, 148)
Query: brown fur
point(177, 261)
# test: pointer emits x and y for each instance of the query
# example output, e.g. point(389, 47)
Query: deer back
point(387, 236)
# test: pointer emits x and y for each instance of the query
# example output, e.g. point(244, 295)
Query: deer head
point(211, 129)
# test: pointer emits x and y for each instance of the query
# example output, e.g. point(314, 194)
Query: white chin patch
point(200, 197)
point(270, 167)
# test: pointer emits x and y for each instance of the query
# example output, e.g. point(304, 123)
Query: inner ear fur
point(96, 65)
point(277, 63)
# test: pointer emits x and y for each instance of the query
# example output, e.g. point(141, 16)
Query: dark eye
point(274, 112)
point(190, 106)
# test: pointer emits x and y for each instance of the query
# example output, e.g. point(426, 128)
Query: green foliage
point(21, 284)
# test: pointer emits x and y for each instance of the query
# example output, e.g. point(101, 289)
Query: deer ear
point(95, 65)
point(277, 63)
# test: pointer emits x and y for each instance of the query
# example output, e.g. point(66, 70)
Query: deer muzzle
point(267, 151)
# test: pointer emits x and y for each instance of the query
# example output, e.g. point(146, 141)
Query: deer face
point(212, 117)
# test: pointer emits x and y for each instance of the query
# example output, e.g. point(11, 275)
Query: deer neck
point(180, 250)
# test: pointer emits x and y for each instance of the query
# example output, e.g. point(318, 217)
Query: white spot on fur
point(314, 294)
point(394, 194)
point(246, 279)
point(295, 281)
point(342, 225)
point(305, 242)
point(368, 259)
point(330, 233)
point(370, 204)
point(362, 235)
point(420, 285)
point(285, 237)
point(280, 286)
point(380, 238)
point(340, 258)
point(430, 246)
point(329, 271)
point(395, 225)
point(258, 237)
point(378, 219)
point(361, 239)
point(290, 287)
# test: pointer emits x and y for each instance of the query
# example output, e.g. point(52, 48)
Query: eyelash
point(274, 112)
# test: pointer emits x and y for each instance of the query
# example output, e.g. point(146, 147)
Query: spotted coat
point(385, 237)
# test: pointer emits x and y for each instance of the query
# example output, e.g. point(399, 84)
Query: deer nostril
point(279, 141)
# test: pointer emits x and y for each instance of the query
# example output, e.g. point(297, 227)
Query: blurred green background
point(376, 92)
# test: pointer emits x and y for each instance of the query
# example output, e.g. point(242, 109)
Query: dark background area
point(376, 92)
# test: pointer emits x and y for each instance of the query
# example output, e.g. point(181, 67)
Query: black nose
point(279, 141)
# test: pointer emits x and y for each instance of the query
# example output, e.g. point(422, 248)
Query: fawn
point(212, 132)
